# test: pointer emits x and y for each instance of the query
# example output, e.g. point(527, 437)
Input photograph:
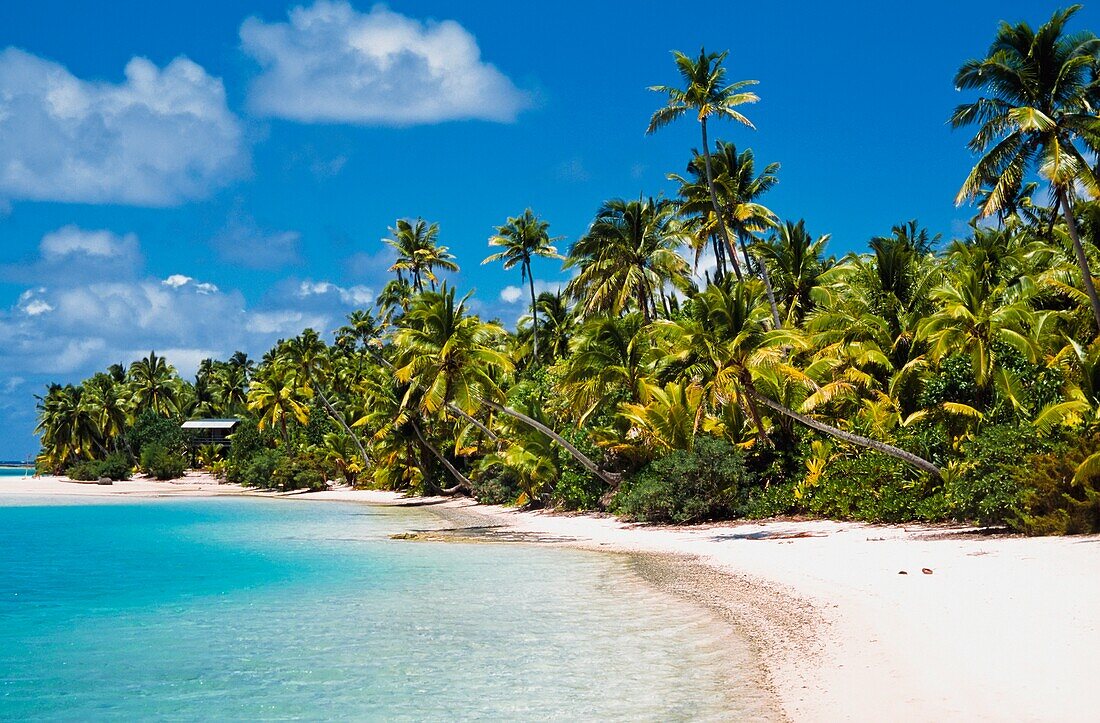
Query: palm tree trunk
point(474, 421)
point(610, 478)
point(534, 310)
point(343, 423)
point(1079, 251)
point(763, 269)
point(887, 449)
point(714, 202)
point(464, 484)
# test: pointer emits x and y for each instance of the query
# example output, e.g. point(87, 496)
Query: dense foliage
point(918, 380)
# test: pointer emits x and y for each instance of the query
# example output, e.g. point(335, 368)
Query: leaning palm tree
point(1042, 90)
point(705, 93)
point(522, 238)
point(727, 346)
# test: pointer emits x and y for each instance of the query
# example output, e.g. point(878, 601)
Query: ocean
point(223, 608)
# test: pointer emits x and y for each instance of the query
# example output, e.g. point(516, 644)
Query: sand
point(1002, 628)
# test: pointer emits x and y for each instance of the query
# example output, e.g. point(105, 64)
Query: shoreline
point(1003, 627)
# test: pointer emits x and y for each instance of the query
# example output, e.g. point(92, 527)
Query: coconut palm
point(706, 93)
point(277, 392)
point(154, 385)
point(1042, 90)
point(797, 262)
point(628, 255)
point(726, 341)
point(418, 251)
point(522, 238)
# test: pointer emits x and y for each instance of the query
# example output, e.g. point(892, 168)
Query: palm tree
point(277, 393)
point(154, 385)
point(727, 334)
point(705, 93)
point(738, 189)
point(523, 237)
point(629, 253)
point(1043, 88)
point(418, 252)
point(797, 262)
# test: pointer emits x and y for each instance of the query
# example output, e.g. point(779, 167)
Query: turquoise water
point(242, 609)
point(16, 471)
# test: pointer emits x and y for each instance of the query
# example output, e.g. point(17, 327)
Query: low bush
point(985, 487)
point(115, 467)
point(686, 485)
point(871, 487)
point(1051, 502)
point(160, 463)
point(495, 485)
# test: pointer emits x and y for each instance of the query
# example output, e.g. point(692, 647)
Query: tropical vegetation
point(708, 358)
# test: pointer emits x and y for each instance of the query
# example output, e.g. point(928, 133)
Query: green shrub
point(577, 489)
point(160, 463)
point(871, 487)
point(117, 466)
point(152, 428)
point(1051, 503)
point(303, 471)
point(686, 486)
point(495, 485)
point(985, 487)
point(259, 471)
point(86, 471)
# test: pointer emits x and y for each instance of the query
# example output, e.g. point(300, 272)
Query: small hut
point(210, 431)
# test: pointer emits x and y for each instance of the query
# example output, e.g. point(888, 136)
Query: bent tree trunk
point(1079, 252)
point(464, 484)
point(714, 202)
point(887, 449)
point(610, 478)
point(343, 423)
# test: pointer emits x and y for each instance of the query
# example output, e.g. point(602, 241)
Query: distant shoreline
point(1003, 627)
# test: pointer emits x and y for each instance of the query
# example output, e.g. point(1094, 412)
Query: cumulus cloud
point(179, 281)
point(162, 136)
point(330, 63)
point(74, 240)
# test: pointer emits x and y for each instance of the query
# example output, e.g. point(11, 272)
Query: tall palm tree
point(706, 93)
point(522, 238)
point(277, 392)
point(629, 254)
point(738, 189)
point(418, 251)
point(1042, 90)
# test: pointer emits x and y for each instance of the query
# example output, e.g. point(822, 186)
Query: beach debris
point(926, 570)
point(104, 481)
point(902, 572)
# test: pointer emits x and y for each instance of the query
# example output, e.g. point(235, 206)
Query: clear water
point(244, 609)
point(16, 471)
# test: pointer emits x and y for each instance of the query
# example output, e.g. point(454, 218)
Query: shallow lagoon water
point(242, 608)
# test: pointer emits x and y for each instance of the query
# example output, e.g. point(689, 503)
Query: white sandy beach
point(1004, 628)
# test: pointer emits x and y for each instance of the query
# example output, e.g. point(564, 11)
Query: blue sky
point(205, 176)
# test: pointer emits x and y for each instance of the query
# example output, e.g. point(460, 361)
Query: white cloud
point(31, 304)
point(161, 136)
point(512, 294)
point(351, 296)
point(74, 240)
point(178, 281)
point(330, 63)
point(285, 322)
